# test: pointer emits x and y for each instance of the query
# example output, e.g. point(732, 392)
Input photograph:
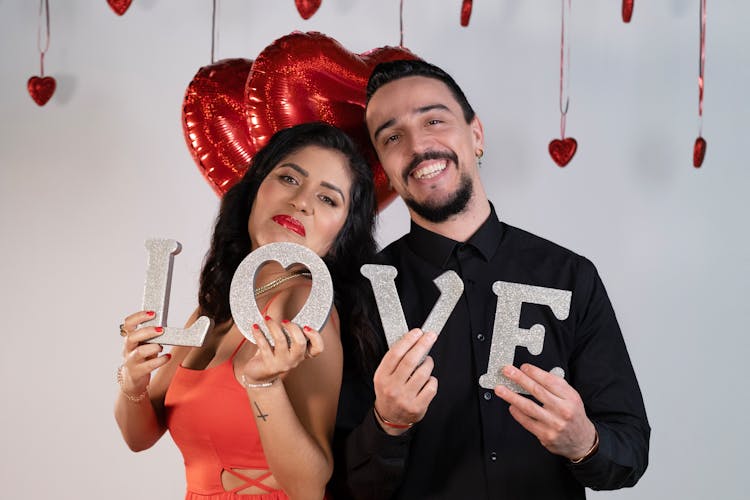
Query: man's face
point(425, 145)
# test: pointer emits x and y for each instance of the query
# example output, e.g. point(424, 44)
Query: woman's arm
point(296, 414)
point(141, 421)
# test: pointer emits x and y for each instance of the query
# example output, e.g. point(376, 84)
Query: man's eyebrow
point(331, 186)
point(418, 111)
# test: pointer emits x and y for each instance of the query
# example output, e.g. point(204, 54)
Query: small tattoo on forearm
point(260, 412)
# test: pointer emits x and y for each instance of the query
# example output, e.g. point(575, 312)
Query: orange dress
point(210, 418)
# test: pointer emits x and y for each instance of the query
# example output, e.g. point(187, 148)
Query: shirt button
point(480, 337)
point(493, 456)
point(487, 395)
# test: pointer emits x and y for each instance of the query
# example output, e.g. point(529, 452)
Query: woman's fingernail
point(168, 356)
point(158, 329)
point(307, 328)
point(150, 313)
point(285, 321)
point(255, 326)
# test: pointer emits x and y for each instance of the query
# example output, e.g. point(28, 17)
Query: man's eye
point(434, 122)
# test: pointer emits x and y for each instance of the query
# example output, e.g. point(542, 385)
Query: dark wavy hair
point(387, 72)
point(353, 246)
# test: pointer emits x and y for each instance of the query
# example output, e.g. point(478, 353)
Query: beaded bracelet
point(387, 422)
point(131, 398)
point(250, 385)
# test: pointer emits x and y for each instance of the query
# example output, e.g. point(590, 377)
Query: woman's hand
point(139, 359)
point(292, 345)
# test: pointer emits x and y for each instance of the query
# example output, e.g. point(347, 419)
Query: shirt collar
point(437, 249)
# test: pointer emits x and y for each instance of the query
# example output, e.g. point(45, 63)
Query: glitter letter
point(506, 334)
point(156, 296)
point(242, 297)
point(389, 305)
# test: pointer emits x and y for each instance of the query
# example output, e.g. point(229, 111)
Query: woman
point(254, 421)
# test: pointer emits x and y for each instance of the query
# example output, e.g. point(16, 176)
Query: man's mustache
point(427, 155)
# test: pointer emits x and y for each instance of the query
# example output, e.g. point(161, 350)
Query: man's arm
point(372, 454)
point(601, 402)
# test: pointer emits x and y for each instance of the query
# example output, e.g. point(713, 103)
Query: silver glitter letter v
point(389, 305)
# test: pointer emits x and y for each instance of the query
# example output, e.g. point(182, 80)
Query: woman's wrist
point(249, 383)
point(132, 395)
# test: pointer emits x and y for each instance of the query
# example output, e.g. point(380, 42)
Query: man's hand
point(560, 423)
point(404, 388)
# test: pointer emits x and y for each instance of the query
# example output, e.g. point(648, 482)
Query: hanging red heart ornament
point(214, 122)
point(41, 88)
point(627, 10)
point(466, 12)
point(562, 150)
point(119, 6)
point(307, 8)
point(305, 77)
point(699, 152)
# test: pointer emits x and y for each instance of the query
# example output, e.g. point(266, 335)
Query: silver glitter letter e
point(506, 334)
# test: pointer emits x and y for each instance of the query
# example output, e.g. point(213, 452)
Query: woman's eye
point(328, 200)
point(391, 138)
point(288, 179)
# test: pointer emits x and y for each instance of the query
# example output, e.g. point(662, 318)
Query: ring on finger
point(123, 332)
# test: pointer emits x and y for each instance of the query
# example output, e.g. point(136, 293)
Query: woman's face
point(304, 199)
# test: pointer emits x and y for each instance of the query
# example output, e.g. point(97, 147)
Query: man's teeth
point(430, 170)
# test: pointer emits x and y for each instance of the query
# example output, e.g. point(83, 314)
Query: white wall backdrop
point(85, 180)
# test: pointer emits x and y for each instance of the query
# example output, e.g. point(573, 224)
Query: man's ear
point(477, 131)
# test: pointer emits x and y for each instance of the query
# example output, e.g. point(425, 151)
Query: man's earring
point(479, 154)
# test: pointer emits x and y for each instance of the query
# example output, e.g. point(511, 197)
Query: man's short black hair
point(387, 72)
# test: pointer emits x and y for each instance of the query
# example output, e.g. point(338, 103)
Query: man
point(424, 427)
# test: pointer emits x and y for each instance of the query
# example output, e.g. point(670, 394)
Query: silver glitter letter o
point(242, 297)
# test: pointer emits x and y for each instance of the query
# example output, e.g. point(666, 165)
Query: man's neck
point(462, 226)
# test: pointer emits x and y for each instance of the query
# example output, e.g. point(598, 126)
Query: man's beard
point(440, 212)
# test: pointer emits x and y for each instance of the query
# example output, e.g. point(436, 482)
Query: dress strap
point(239, 346)
point(250, 481)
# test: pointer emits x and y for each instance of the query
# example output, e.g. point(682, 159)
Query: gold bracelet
point(131, 398)
point(251, 385)
point(592, 450)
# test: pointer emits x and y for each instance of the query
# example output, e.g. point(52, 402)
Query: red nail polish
point(158, 329)
point(169, 356)
point(150, 313)
point(267, 318)
point(255, 325)
point(285, 321)
point(306, 328)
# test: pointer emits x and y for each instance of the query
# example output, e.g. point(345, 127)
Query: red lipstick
point(290, 223)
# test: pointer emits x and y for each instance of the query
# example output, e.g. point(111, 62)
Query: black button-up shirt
point(468, 445)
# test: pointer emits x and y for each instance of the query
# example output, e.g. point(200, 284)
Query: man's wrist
point(591, 452)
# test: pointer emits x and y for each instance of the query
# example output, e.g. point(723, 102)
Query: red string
point(564, 68)
point(401, 23)
point(702, 63)
point(43, 10)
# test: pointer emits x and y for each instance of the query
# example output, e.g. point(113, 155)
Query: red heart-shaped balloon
point(307, 8)
point(41, 88)
point(627, 10)
point(214, 122)
point(562, 150)
point(305, 77)
point(466, 12)
point(119, 6)
point(699, 152)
